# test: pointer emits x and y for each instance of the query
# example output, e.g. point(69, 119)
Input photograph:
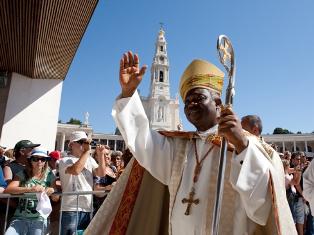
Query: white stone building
point(292, 142)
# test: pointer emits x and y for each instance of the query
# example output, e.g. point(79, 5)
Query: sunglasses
point(36, 159)
point(81, 142)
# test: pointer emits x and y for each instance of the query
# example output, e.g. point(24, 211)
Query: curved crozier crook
point(226, 54)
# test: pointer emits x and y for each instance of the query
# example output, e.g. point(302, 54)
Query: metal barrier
point(77, 194)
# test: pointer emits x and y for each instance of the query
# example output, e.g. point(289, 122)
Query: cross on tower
point(190, 201)
point(161, 25)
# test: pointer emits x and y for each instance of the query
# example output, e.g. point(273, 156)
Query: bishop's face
point(200, 109)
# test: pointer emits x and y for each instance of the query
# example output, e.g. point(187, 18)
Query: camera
point(93, 144)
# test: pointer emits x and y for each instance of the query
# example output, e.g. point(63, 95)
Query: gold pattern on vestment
point(213, 137)
point(268, 149)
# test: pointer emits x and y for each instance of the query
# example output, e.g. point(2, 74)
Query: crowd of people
point(295, 164)
point(55, 179)
point(30, 169)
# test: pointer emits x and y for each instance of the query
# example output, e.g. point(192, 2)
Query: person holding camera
point(76, 171)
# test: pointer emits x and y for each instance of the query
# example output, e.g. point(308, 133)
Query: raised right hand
point(130, 73)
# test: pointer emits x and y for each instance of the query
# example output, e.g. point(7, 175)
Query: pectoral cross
point(190, 201)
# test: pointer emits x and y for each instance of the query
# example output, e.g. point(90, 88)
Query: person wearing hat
point(187, 164)
point(54, 160)
point(22, 150)
point(76, 171)
point(35, 178)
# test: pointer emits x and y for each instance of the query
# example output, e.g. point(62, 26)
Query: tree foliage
point(74, 121)
point(117, 132)
point(279, 130)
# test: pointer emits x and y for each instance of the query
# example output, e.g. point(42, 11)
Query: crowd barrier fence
point(61, 194)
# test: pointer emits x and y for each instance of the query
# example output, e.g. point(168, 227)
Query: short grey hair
point(254, 120)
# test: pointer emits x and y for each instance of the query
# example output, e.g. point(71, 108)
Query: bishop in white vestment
point(188, 165)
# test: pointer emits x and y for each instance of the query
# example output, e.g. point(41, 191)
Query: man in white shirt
point(76, 174)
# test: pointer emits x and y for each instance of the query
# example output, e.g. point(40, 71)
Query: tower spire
point(161, 110)
point(160, 68)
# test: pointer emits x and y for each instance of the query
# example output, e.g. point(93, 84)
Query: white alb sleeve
point(152, 150)
point(249, 176)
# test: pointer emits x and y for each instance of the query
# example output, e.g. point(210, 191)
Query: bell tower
point(161, 110)
point(159, 85)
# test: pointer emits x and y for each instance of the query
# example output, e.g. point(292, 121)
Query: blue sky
point(273, 42)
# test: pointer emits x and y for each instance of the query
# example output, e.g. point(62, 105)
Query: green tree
point(117, 132)
point(74, 121)
point(279, 130)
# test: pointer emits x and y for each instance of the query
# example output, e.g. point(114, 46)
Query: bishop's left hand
point(229, 126)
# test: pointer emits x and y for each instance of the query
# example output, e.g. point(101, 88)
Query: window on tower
point(161, 76)
point(161, 48)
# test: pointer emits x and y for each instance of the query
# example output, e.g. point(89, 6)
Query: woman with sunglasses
point(36, 178)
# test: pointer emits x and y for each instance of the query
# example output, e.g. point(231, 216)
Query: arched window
point(161, 76)
point(161, 48)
